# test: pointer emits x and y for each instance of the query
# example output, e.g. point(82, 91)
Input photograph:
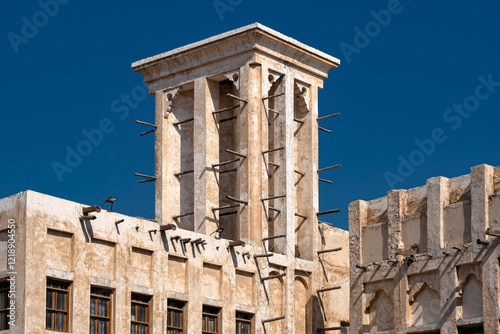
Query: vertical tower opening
point(227, 174)
point(303, 160)
point(275, 112)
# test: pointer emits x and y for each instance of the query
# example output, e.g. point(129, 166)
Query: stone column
point(437, 200)
point(357, 219)
point(309, 196)
point(160, 154)
point(250, 229)
point(490, 294)
point(286, 176)
point(206, 153)
point(396, 205)
point(395, 210)
point(448, 293)
point(482, 185)
point(249, 178)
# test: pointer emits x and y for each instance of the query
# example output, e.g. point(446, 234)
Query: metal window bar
point(148, 124)
point(273, 197)
point(226, 207)
point(236, 200)
point(272, 96)
point(146, 132)
point(168, 227)
point(301, 216)
point(225, 109)
point(226, 162)
point(228, 213)
point(329, 250)
point(236, 243)
point(327, 168)
point(184, 121)
point(257, 256)
point(227, 119)
point(183, 215)
point(183, 173)
point(273, 319)
point(338, 287)
point(328, 116)
point(237, 98)
point(328, 212)
point(274, 237)
point(273, 150)
point(272, 277)
point(300, 173)
point(148, 178)
point(235, 153)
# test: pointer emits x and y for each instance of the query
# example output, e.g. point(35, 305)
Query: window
point(140, 314)
point(4, 304)
point(475, 329)
point(57, 305)
point(100, 310)
point(210, 323)
point(243, 323)
point(175, 317)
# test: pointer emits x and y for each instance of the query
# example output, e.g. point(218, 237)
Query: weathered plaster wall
point(333, 268)
point(135, 257)
point(14, 207)
point(423, 258)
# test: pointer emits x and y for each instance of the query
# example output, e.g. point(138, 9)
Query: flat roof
point(251, 27)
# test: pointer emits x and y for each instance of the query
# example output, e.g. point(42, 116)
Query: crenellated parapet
point(426, 252)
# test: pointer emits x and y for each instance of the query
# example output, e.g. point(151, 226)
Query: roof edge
point(251, 27)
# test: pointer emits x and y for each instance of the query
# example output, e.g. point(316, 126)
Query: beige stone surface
point(436, 275)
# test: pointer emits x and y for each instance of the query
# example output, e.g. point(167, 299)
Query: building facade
point(425, 260)
point(236, 245)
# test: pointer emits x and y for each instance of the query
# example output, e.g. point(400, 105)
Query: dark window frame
point(135, 303)
point(54, 310)
point(176, 308)
point(4, 312)
point(110, 307)
point(469, 329)
point(244, 318)
point(211, 312)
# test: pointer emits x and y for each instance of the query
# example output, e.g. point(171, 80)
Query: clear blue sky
point(398, 83)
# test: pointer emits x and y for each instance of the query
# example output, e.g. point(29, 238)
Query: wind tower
point(236, 141)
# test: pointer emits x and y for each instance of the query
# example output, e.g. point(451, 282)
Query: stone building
point(425, 260)
point(236, 245)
